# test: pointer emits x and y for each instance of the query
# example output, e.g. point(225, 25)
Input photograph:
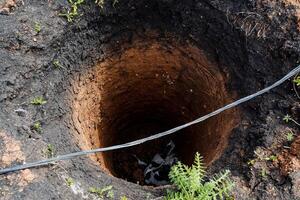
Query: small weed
point(123, 198)
point(49, 151)
point(103, 192)
point(37, 127)
point(290, 136)
point(190, 182)
point(297, 80)
point(263, 173)
point(251, 162)
point(110, 194)
point(271, 158)
point(37, 27)
point(287, 118)
point(57, 64)
point(72, 12)
point(69, 181)
point(38, 101)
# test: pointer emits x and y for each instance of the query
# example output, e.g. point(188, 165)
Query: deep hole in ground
point(254, 41)
point(150, 86)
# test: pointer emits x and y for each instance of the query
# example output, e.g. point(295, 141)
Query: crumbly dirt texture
point(110, 67)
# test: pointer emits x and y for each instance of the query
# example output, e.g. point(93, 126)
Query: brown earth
point(289, 160)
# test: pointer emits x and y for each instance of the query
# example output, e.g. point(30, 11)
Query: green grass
point(191, 185)
point(37, 27)
point(70, 182)
point(38, 101)
point(72, 12)
point(37, 127)
point(103, 192)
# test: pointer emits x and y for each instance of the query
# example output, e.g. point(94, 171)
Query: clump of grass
point(69, 181)
point(38, 101)
point(72, 12)
point(103, 192)
point(124, 198)
point(190, 182)
point(37, 27)
point(37, 127)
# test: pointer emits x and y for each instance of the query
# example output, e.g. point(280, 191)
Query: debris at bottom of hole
point(157, 170)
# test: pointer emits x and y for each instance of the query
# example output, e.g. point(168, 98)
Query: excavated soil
point(134, 68)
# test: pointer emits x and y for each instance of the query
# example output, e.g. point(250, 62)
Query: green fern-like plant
point(191, 185)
